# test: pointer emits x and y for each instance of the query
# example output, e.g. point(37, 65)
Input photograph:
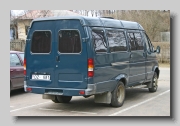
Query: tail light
point(90, 67)
point(29, 89)
point(24, 66)
point(81, 92)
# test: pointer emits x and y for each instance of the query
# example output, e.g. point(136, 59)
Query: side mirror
point(158, 49)
point(153, 50)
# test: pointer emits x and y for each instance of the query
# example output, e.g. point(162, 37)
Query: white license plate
point(40, 77)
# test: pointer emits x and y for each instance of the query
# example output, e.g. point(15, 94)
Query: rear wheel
point(63, 99)
point(55, 100)
point(154, 83)
point(118, 95)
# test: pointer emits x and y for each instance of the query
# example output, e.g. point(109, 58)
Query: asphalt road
point(138, 102)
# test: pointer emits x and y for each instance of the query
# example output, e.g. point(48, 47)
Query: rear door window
point(69, 41)
point(41, 42)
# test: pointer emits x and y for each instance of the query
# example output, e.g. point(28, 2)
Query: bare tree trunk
point(92, 12)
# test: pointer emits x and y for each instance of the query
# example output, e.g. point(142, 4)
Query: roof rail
point(107, 17)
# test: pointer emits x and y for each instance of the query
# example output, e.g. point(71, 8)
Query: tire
point(154, 83)
point(64, 99)
point(118, 95)
point(56, 100)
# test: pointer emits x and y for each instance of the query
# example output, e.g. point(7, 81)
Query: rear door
point(70, 55)
point(40, 59)
point(56, 55)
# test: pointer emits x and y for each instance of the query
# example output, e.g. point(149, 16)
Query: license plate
point(40, 77)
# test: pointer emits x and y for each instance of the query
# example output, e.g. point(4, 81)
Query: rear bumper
point(91, 89)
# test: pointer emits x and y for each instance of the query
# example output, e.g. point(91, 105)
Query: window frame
point(59, 42)
point(149, 43)
point(118, 30)
point(50, 42)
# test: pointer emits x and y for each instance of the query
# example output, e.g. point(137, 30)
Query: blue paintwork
point(69, 74)
point(97, 22)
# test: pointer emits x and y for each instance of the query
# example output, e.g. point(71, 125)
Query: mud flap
point(149, 84)
point(103, 98)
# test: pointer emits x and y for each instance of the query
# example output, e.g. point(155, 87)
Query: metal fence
point(165, 36)
point(164, 56)
point(17, 45)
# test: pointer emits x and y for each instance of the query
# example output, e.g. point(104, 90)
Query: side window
point(117, 41)
point(139, 42)
point(99, 41)
point(14, 60)
point(69, 41)
point(146, 40)
point(41, 42)
point(131, 41)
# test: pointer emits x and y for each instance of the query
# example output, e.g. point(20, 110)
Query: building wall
point(21, 28)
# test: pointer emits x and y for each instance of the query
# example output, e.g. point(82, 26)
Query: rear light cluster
point(29, 89)
point(81, 92)
point(90, 67)
point(24, 66)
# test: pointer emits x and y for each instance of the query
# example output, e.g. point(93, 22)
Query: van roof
point(98, 22)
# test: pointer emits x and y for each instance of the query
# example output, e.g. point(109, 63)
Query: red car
point(16, 70)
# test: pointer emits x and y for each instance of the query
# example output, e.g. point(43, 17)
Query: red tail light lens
point(24, 66)
point(90, 67)
point(29, 89)
point(90, 73)
point(81, 92)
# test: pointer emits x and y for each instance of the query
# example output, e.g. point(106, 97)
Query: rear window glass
point(14, 60)
point(41, 42)
point(69, 41)
point(22, 56)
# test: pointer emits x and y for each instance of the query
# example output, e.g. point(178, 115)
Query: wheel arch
point(123, 78)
